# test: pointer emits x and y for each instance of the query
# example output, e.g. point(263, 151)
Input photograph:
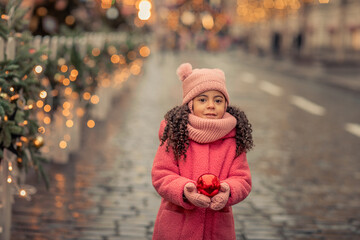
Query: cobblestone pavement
point(303, 187)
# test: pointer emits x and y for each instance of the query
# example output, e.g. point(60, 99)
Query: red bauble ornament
point(208, 184)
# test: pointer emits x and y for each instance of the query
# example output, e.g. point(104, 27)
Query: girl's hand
point(219, 201)
point(194, 197)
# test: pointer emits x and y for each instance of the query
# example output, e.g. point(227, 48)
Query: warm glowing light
point(61, 61)
point(207, 22)
point(94, 99)
point(12, 89)
point(66, 82)
point(64, 68)
point(66, 112)
point(188, 18)
point(22, 193)
point(39, 104)
point(28, 107)
point(135, 69)
point(5, 17)
point(279, 4)
point(43, 94)
point(70, 20)
point(5, 118)
point(268, 3)
point(144, 10)
point(144, 15)
point(9, 179)
point(39, 141)
point(323, 1)
point(105, 4)
point(90, 123)
point(38, 69)
point(47, 120)
point(41, 130)
point(74, 73)
point(72, 78)
point(86, 96)
point(144, 51)
point(41, 11)
point(10, 167)
point(66, 105)
point(69, 123)
point(115, 58)
point(95, 52)
point(68, 91)
point(47, 108)
point(62, 144)
point(44, 57)
point(16, 96)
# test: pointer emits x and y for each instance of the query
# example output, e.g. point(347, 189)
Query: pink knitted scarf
point(204, 130)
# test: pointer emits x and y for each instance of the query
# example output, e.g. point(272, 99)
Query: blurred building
point(326, 30)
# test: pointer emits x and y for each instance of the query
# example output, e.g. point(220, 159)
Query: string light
point(94, 99)
point(43, 94)
point(9, 179)
point(47, 120)
point(47, 108)
point(62, 144)
point(69, 123)
point(95, 52)
point(86, 96)
point(23, 193)
point(39, 104)
point(90, 123)
point(10, 167)
point(64, 68)
point(38, 69)
point(144, 51)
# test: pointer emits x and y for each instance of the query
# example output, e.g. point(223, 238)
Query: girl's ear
point(184, 70)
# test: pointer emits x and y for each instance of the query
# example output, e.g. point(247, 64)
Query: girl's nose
point(211, 104)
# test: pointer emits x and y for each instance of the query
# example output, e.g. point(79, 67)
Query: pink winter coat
point(179, 219)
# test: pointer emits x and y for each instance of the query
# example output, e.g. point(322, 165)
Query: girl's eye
point(218, 101)
point(202, 99)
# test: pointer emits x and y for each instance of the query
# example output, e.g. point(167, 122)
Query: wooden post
point(53, 48)
point(2, 44)
point(6, 197)
point(10, 49)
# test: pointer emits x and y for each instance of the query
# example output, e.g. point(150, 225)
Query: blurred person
point(205, 135)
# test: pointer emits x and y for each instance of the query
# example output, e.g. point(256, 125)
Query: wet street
point(305, 165)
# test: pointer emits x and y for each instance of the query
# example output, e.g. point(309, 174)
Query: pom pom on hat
point(197, 81)
point(184, 70)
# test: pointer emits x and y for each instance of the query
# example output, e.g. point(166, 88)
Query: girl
point(203, 135)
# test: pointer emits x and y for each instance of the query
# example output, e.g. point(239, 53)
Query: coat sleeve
point(239, 180)
point(166, 177)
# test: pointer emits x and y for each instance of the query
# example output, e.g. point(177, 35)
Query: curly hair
point(176, 134)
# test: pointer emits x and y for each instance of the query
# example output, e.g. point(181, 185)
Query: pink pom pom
point(184, 70)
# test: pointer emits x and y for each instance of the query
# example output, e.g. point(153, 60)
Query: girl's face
point(209, 104)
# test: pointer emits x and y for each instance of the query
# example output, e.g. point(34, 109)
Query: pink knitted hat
point(196, 81)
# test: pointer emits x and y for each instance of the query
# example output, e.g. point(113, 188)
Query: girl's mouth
point(210, 115)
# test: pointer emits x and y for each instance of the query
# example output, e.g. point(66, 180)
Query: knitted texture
point(196, 81)
point(220, 200)
point(204, 130)
point(194, 197)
